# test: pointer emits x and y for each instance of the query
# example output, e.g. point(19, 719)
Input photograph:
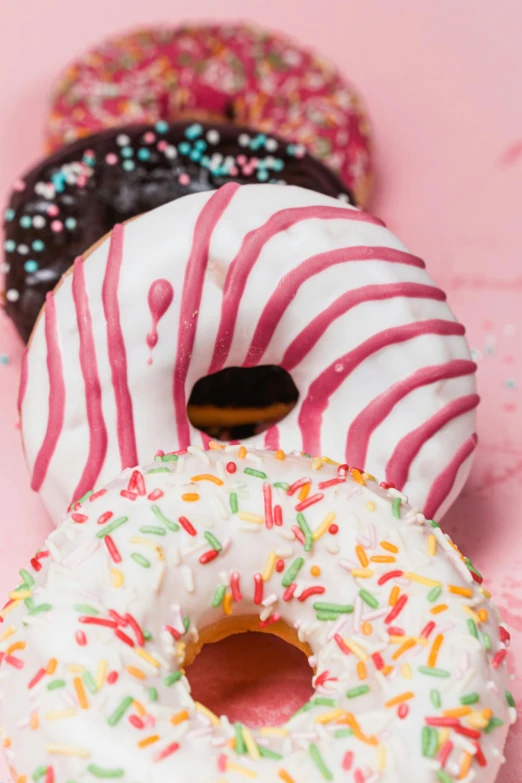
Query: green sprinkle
point(234, 505)
point(510, 700)
point(212, 540)
point(89, 682)
point(29, 603)
point(147, 636)
point(56, 684)
point(301, 521)
point(120, 711)
point(436, 698)
point(320, 701)
point(434, 594)
point(472, 627)
point(336, 608)
point(172, 679)
point(327, 616)
point(494, 723)
point(39, 772)
point(169, 458)
point(359, 691)
point(282, 485)
point(99, 772)
point(84, 498)
point(443, 777)
point(430, 741)
point(150, 530)
point(158, 470)
point(432, 523)
point(486, 641)
point(396, 507)
point(153, 694)
point(265, 753)
point(319, 762)
point(369, 598)
point(26, 578)
point(443, 673)
point(21, 588)
point(292, 571)
point(167, 522)
point(140, 560)
point(255, 473)
point(186, 623)
point(340, 733)
point(111, 527)
point(40, 609)
point(86, 609)
point(469, 698)
point(472, 568)
point(241, 747)
point(219, 594)
point(305, 708)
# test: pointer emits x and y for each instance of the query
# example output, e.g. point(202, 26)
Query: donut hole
point(259, 679)
point(240, 402)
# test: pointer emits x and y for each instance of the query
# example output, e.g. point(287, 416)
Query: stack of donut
point(253, 261)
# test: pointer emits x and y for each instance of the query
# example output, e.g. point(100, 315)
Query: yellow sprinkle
point(362, 556)
point(485, 592)
point(370, 506)
point(328, 717)
point(415, 639)
point(274, 731)
point(215, 446)
point(356, 649)
point(7, 633)
point(34, 722)
point(67, 750)
point(421, 579)
point(227, 603)
point(321, 529)
point(304, 491)
point(208, 477)
point(368, 476)
point(75, 668)
point(367, 628)
point(432, 545)
point(245, 516)
point(280, 454)
point(252, 748)
point(283, 774)
point(268, 570)
point(469, 611)
point(439, 608)
point(466, 592)
point(408, 644)
point(233, 767)
point(330, 461)
point(363, 573)
point(117, 578)
point(383, 559)
point(190, 497)
point(20, 595)
point(147, 657)
point(315, 570)
point(361, 670)
point(9, 608)
point(15, 647)
point(179, 717)
point(402, 697)
point(476, 720)
point(144, 743)
point(205, 711)
point(101, 674)
point(432, 658)
point(394, 595)
point(381, 757)
point(140, 709)
point(60, 714)
point(358, 476)
point(406, 671)
point(52, 664)
point(80, 693)
point(483, 615)
point(465, 766)
point(134, 672)
point(389, 547)
point(458, 712)
point(317, 463)
point(241, 452)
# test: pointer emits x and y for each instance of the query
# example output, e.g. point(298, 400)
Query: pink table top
point(442, 88)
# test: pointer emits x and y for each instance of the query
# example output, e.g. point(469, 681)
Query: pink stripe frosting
point(442, 485)
point(24, 372)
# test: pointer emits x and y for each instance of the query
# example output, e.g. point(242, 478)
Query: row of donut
point(408, 651)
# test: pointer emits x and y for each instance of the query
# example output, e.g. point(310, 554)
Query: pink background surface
point(442, 83)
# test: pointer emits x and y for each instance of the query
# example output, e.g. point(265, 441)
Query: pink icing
point(442, 485)
point(117, 352)
point(23, 380)
point(91, 378)
point(161, 294)
point(56, 396)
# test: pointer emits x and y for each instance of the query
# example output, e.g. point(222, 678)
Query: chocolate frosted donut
point(73, 198)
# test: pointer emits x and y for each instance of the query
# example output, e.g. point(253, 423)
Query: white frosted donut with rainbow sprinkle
point(408, 652)
point(250, 275)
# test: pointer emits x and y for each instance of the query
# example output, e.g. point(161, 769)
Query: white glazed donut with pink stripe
point(250, 275)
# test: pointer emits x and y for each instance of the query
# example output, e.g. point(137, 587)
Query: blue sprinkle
point(38, 245)
point(143, 153)
point(200, 144)
point(195, 155)
point(126, 152)
point(184, 147)
point(9, 214)
point(162, 126)
point(31, 266)
point(129, 165)
point(193, 131)
point(10, 245)
point(262, 175)
point(70, 223)
point(26, 221)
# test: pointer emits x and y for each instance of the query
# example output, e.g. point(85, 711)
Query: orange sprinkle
point(389, 547)
point(280, 454)
point(467, 592)
point(383, 559)
point(458, 712)
point(140, 709)
point(304, 491)
point(361, 670)
point(7, 742)
point(190, 497)
point(51, 666)
point(207, 477)
point(386, 670)
point(227, 603)
point(144, 743)
point(358, 476)
point(283, 774)
point(394, 595)
point(438, 609)
point(241, 452)
point(363, 557)
point(179, 717)
point(483, 615)
point(465, 766)
point(315, 570)
point(399, 699)
point(34, 723)
point(138, 673)
point(80, 693)
point(432, 658)
point(16, 646)
point(21, 779)
point(408, 644)
point(215, 446)
point(367, 628)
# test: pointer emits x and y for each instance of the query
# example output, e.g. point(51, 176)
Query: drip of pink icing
point(91, 379)
point(160, 298)
point(24, 372)
point(191, 299)
point(272, 438)
point(442, 485)
point(407, 449)
point(285, 294)
point(377, 410)
point(305, 340)
point(247, 256)
point(320, 391)
point(56, 395)
point(117, 352)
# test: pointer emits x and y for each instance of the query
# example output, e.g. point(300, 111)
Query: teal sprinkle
point(472, 627)
point(111, 527)
point(359, 691)
point(195, 155)
point(25, 221)
point(140, 560)
point(336, 608)
point(120, 711)
point(319, 762)
point(303, 525)
point(143, 154)
point(184, 148)
point(151, 530)
point(56, 684)
point(494, 723)
point(256, 473)
point(31, 266)
point(99, 772)
point(9, 214)
point(282, 485)
point(432, 523)
point(265, 753)
point(70, 223)
point(469, 698)
point(442, 673)
point(153, 694)
point(186, 623)
point(126, 152)
point(193, 131)
point(86, 609)
point(40, 609)
point(9, 245)
point(241, 747)
point(430, 741)
point(292, 572)
point(509, 698)
point(172, 679)
point(162, 126)
point(162, 518)
point(341, 733)
point(234, 506)
point(38, 245)
point(320, 701)
point(200, 144)
point(436, 698)
point(486, 641)
point(434, 594)
point(158, 470)
point(443, 777)
point(219, 594)
point(89, 682)
point(212, 540)
point(327, 616)
point(369, 598)
point(396, 507)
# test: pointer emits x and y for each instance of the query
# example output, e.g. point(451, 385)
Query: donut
point(235, 73)
point(73, 198)
point(250, 276)
point(407, 650)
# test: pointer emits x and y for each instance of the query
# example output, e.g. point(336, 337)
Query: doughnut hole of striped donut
point(250, 276)
point(408, 654)
point(229, 72)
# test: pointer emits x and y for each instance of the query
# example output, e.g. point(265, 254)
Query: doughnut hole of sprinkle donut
point(234, 73)
point(407, 650)
point(247, 277)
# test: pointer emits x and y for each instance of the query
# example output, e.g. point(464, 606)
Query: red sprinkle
point(278, 516)
point(378, 661)
point(451, 723)
point(333, 529)
point(124, 638)
point(358, 776)
point(118, 618)
point(330, 483)
point(505, 636)
point(49, 775)
point(207, 557)
point(105, 517)
point(427, 629)
point(347, 760)
point(13, 661)
point(289, 592)
point(324, 677)
point(112, 677)
point(298, 534)
point(267, 498)
point(394, 630)
point(188, 526)
point(36, 565)
point(81, 639)
point(42, 555)
point(101, 621)
point(79, 518)
point(389, 575)
point(476, 577)
point(137, 483)
point(113, 549)
point(222, 763)
point(169, 750)
point(341, 645)
point(445, 752)
point(155, 494)
point(471, 733)
point(129, 495)
point(140, 639)
point(403, 711)
point(311, 501)
point(397, 609)
point(315, 590)
point(234, 586)
point(271, 620)
point(342, 470)
point(280, 565)
point(297, 485)
point(173, 632)
point(97, 495)
point(498, 658)
point(136, 722)
point(479, 755)
point(259, 588)
point(231, 468)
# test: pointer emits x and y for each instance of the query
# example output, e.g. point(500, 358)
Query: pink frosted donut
point(250, 276)
point(235, 72)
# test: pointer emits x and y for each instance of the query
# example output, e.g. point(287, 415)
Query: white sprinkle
point(284, 551)
point(12, 295)
point(213, 136)
point(271, 599)
point(243, 139)
point(332, 548)
point(188, 578)
point(336, 627)
point(220, 507)
point(122, 140)
point(271, 145)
